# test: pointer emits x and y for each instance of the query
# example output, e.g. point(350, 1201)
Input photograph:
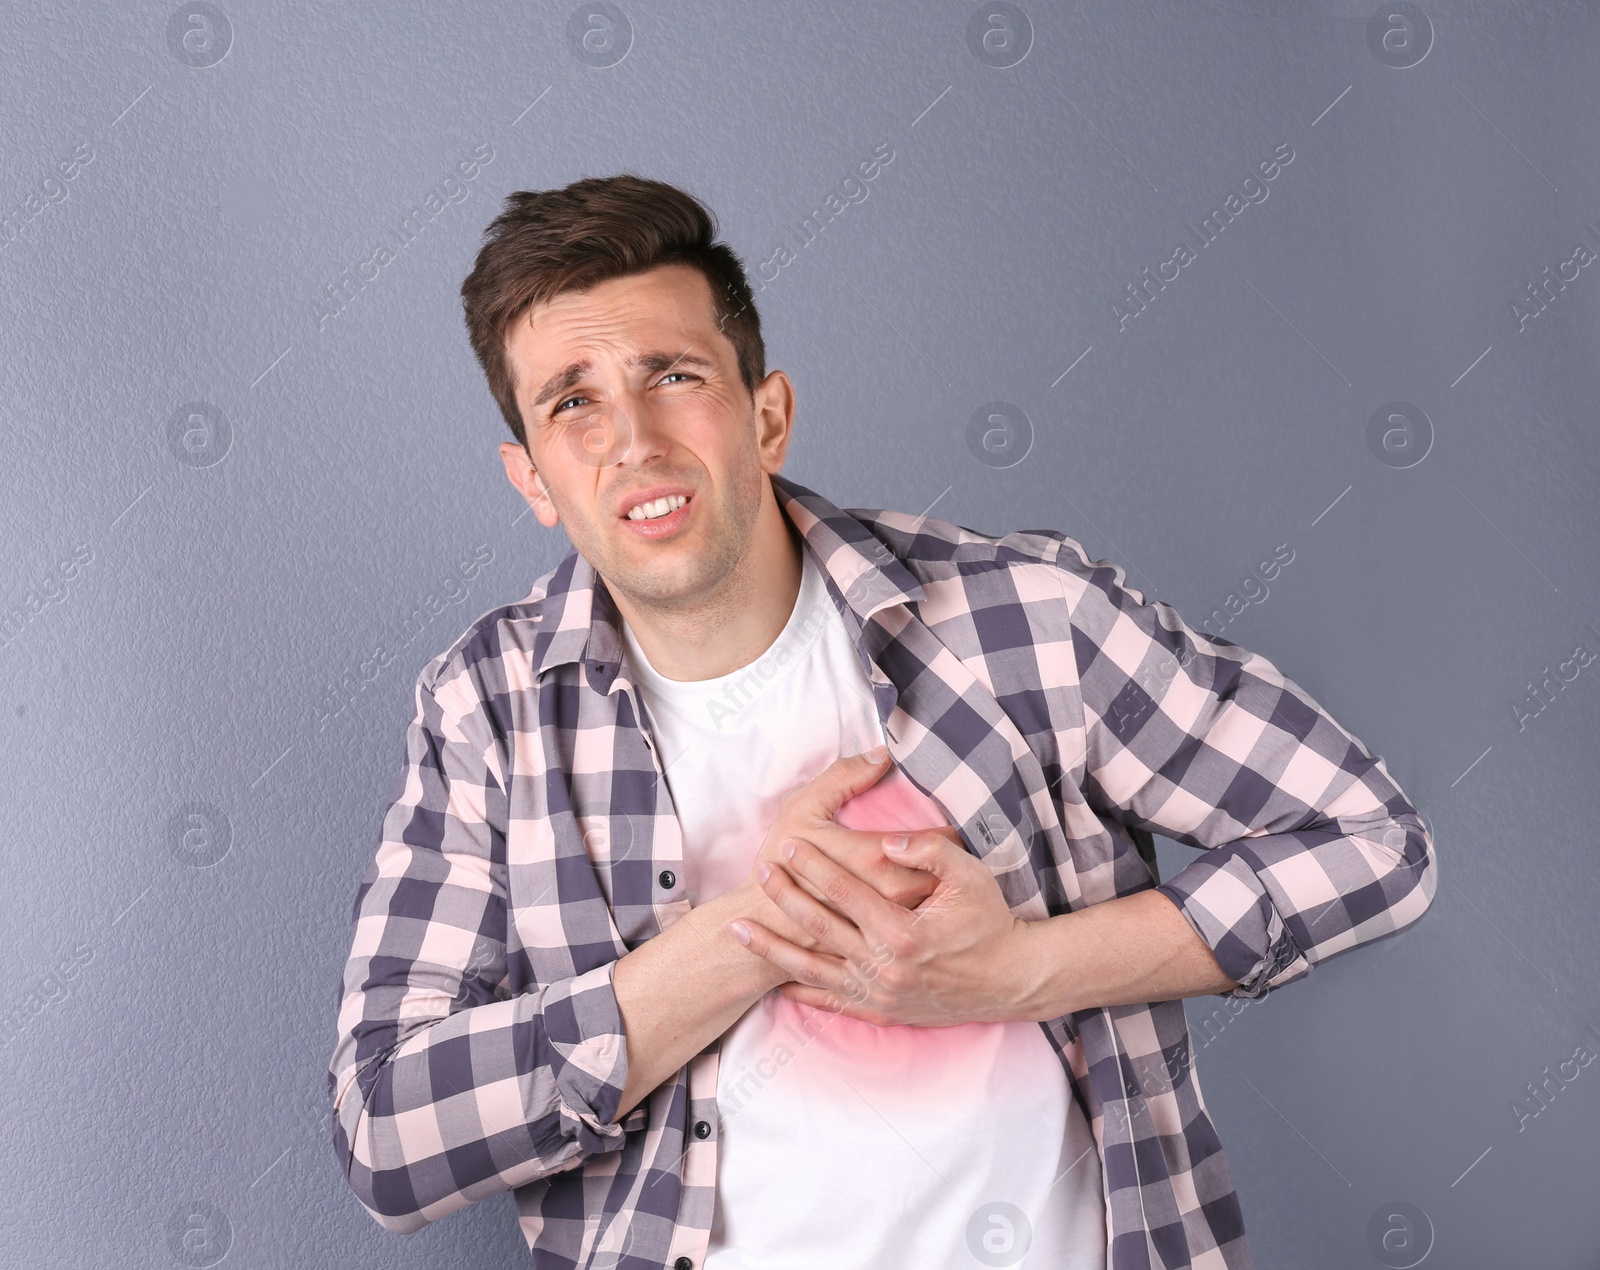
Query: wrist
point(744, 900)
point(1034, 984)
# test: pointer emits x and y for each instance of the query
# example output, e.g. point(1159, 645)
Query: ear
point(529, 483)
point(774, 419)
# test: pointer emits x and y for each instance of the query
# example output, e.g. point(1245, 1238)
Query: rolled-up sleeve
point(1310, 847)
point(445, 1086)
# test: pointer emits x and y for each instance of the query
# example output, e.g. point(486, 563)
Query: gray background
point(201, 735)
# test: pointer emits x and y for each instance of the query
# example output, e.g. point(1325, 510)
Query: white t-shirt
point(841, 1143)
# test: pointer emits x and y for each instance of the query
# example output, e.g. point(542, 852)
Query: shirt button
point(668, 879)
point(703, 1129)
point(683, 1263)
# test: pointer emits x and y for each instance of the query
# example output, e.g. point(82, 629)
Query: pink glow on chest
point(893, 803)
point(897, 1062)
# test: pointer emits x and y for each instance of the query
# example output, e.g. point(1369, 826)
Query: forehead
point(669, 302)
point(652, 321)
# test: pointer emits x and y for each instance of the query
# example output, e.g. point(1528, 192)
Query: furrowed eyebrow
point(652, 362)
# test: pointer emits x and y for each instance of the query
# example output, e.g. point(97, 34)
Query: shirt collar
point(581, 621)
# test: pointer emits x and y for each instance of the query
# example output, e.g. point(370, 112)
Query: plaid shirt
point(1054, 714)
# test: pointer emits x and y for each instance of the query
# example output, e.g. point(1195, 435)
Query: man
point(636, 945)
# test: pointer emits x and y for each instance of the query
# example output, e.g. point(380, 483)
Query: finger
point(843, 892)
point(834, 933)
point(861, 851)
point(835, 1002)
point(843, 779)
point(845, 843)
point(816, 970)
point(931, 851)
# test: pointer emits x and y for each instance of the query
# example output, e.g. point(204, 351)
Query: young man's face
point(630, 389)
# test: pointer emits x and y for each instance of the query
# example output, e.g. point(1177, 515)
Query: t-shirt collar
point(581, 621)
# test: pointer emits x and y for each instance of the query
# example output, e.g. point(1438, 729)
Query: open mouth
point(660, 518)
point(658, 509)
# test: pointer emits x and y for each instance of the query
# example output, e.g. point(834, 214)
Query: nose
point(620, 431)
point(641, 437)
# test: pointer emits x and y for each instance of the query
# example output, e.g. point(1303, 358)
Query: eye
point(671, 374)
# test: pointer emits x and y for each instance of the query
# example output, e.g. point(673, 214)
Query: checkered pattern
point(1053, 713)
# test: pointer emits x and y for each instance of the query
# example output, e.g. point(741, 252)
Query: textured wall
point(252, 487)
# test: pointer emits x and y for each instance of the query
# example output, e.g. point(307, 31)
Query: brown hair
point(546, 242)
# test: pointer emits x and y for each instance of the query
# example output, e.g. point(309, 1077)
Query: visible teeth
point(650, 511)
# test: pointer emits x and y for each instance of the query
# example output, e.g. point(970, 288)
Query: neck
point(741, 620)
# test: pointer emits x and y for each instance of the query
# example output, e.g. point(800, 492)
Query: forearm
point(399, 1081)
point(681, 990)
point(1134, 948)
